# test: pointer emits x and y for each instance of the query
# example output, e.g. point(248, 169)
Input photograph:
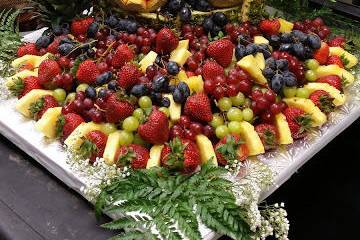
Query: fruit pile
point(218, 91)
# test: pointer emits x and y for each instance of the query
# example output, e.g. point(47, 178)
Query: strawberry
point(21, 87)
point(231, 148)
point(332, 80)
point(198, 107)
point(322, 54)
point(268, 135)
point(53, 47)
point(322, 100)
point(123, 54)
point(128, 76)
point(270, 27)
point(93, 146)
point(335, 60)
point(80, 26)
point(338, 41)
point(135, 155)
point(117, 109)
point(211, 70)
point(48, 69)
point(222, 51)
point(180, 155)
point(67, 123)
point(87, 72)
point(27, 49)
point(39, 107)
point(299, 122)
point(156, 129)
point(166, 41)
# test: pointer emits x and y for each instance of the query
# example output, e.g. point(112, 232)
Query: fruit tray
point(283, 162)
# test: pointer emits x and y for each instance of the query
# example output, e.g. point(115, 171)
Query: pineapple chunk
point(24, 103)
point(195, 83)
point(339, 98)
point(334, 69)
point(148, 60)
point(76, 138)
point(251, 138)
point(207, 152)
point(283, 129)
point(112, 145)
point(180, 56)
point(23, 74)
point(47, 123)
point(30, 59)
point(182, 76)
point(155, 154)
point(183, 44)
point(285, 26)
point(249, 64)
point(318, 117)
point(174, 108)
point(351, 59)
point(261, 40)
point(260, 60)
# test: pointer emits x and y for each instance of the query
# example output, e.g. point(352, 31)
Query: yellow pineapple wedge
point(260, 60)
point(283, 129)
point(261, 40)
point(318, 117)
point(207, 152)
point(285, 26)
point(249, 64)
point(155, 154)
point(334, 69)
point(339, 98)
point(195, 83)
point(174, 108)
point(24, 103)
point(182, 76)
point(148, 60)
point(47, 123)
point(29, 59)
point(351, 59)
point(251, 138)
point(180, 56)
point(112, 145)
point(183, 44)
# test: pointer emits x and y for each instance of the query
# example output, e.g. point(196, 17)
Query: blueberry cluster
point(252, 48)
point(297, 43)
point(180, 92)
point(215, 23)
point(44, 41)
point(172, 68)
point(278, 74)
point(200, 5)
point(103, 78)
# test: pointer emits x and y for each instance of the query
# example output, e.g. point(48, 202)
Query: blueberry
point(92, 30)
point(172, 68)
point(65, 28)
point(268, 72)
point(121, 26)
point(57, 30)
point(178, 96)
point(139, 90)
point(285, 47)
point(90, 92)
point(314, 41)
point(113, 85)
point(289, 79)
point(240, 51)
point(286, 38)
point(208, 24)
point(102, 93)
point(65, 48)
point(132, 26)
point(282, 64)
point(299, 35)
point(43, 42)
point(264, 49)
point(203, 5)
point(165, 102)
point(103, 78)
point(184, 88)
point(220, 19)
point(66, 40)
point(251, 49)
point(156, 97)
point(172, 88)
point(274, 41)
point(271, 63)
point(299, 50)
point(185, 14)
point(174, 6)
point(111, 21)
point(243, 39)
point(308, 52)
point(215, 31)
point(160, 83)
point(158, 61)
point(276, 83)
point(90, 53)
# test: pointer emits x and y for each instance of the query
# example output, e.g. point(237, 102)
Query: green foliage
point(169, 199)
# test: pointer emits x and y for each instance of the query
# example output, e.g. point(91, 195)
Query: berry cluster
point(241, 32)
point(316, 26)
point(278, 74)
point(188, 129)
point(295, 66)
point(215, 23)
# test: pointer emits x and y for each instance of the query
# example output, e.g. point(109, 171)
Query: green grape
point(247, 102)
point(139, 114)
point(140, 141)
point(221, 131)
point(82, 87)
point(59, 94)
point(255, 87)
point(310, 75)
point(312, 64)
point(165, 110)
point(234, 114)
point(70, 97)
point(217, 120)
point(224, 104)
point(126, 138)
point(238, 100)
point(248, 114)
point(145, 102)
point(234, 127)
point(108, 128)
point(289, 91)
point(130, 124)
point(302, 93)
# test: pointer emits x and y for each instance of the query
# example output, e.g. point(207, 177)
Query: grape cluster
point(241, 33)
point(316, 26)
point(188, 129)
point(295, 66)
point(242, 50)
point(142, 40)
point(215, 23)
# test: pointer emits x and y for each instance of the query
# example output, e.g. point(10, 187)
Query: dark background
point(322, 199)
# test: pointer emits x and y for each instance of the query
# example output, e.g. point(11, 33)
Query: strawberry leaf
point(36, 107)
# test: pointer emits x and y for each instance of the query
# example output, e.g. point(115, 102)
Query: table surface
point(35, 205)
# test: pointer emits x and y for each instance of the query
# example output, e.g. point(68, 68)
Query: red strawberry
point(180, 155)
point(299, 122)
point(211, 70)
point(338, 41)
point(231, 148)
point(322, 54)
point(117, 109)
point(67, 123)
point(39, 107)
point(128, 76)
point(166, 41)
point(335, 60)
point(222, 51)
point(21, 87)
point(94, 145)
point(270, 27)
point(268, 135)
point(87, 72)
point(80, 26)
point(322, 100)
point(135, 155)
point(198, 107)
point(27, 49)
point(48, 69)
point(156, 129)
point(123, 54)
point(332, 80)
